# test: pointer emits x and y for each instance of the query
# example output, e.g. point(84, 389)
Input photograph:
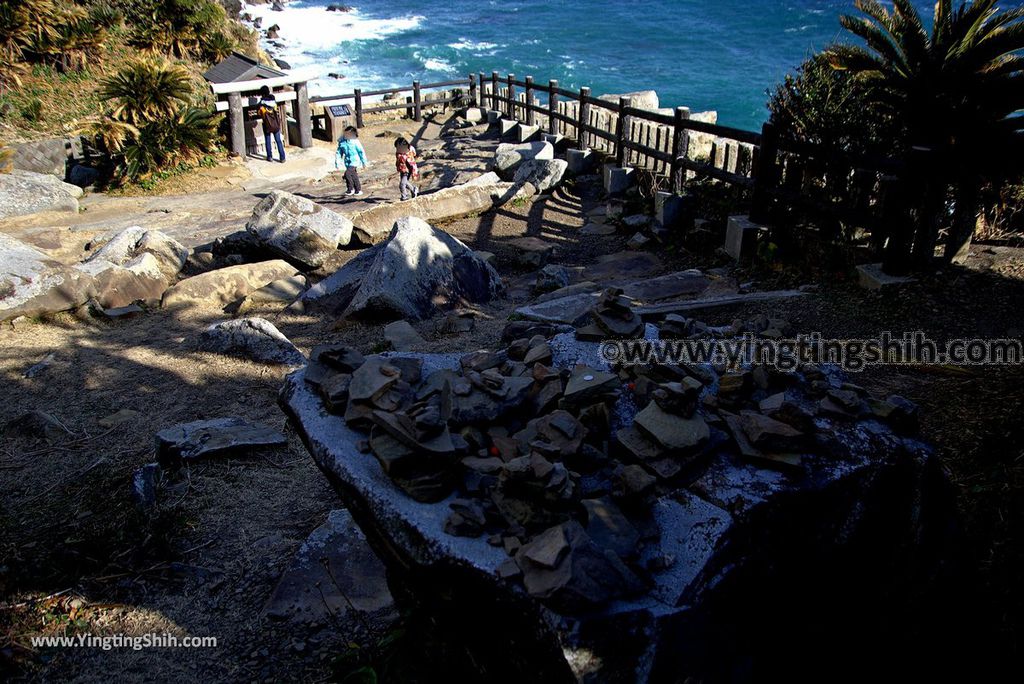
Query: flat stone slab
point(679, 284)
point(872, 277)
point(215, 437)
point(333, 573)
point(26, 192)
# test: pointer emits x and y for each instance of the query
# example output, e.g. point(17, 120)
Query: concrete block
point(507, 128)
point(741, 237)
point(673, 212)
point(474, 115)
point(872, 277)
point(493, 116)
point(580, 161)
point(618, 179)
point(526, 133)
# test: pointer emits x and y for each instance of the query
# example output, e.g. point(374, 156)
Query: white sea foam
point(437, 65)
point(476, 46)
point(311, 38)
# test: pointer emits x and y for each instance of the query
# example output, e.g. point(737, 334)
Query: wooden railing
point(787, 182)
point(413, 106)
point(657, 141)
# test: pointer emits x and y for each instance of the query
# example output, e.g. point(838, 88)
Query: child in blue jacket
point(352, 156)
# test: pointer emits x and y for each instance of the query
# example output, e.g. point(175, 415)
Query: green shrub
point(147, 89)
point(32, 110)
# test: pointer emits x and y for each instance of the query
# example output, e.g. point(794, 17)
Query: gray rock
point(333, 573)
point(83, 176)
point(135, 241)
point(26, 192)
point(32, 284)
point(114, 286)
point(531, 252)
point(508, 157)
point(417, 270)
point(552, 277)
point(226, 285)
point(543, 174)
point(37, 425)
point(403, 337)
point(145, 481)
point(252, 338)
point(280, 292)
point(299, 229)
point(214, 437)
point(374, 225)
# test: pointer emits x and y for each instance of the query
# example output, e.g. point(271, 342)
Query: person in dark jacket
point(271, 123)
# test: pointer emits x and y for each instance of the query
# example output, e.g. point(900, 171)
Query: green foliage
point(181, 28)
point(822, 105)
point(32, 110)
point(147, 90)
point(957, 88)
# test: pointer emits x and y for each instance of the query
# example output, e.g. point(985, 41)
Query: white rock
point(299, 229)
point(508, 157)
point(253, 338)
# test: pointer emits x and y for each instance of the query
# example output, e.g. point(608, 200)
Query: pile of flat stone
point(612, 318)
point(542, 462)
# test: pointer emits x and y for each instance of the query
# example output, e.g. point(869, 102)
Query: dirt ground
point(77, 558)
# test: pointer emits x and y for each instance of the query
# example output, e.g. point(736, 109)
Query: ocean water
point(704, 54)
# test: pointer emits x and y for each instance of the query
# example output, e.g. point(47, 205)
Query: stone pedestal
point(872, 277)
point(580, 161)
point(493, 116)
point(618, 179)
point(507, 128)
point(673, 212)
point(526, 133)
point(741, 237)
point(474, 114)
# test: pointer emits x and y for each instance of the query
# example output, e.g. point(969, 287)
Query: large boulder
point(374, 225)
point(32, 284)
point(417, 270)
point(114, 286)
point(132, 242)
point(641, 99)
point(508, 157)
point(26, 192)
point(542, 174)
point(226, 285)
point(299, 229)
point(252, 338)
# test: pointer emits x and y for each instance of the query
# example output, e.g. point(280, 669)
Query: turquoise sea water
point(704, 54)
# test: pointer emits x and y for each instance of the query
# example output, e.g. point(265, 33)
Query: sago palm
point(146, 90)
point(957, 89)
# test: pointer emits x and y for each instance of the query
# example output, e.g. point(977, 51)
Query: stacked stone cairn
point(611, 318)
point(540, 460)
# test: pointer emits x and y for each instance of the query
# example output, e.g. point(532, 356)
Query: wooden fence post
point(896, 225)
point(680, 148)
point(483, 90)
point(495, 104)
point(621, 133)
point(417, 112)
point(359, 107)
point(766, 177)
point(303, 116)
point(530, 118)
point(472, 91)
point(511, 86)
point(584, 118)
point(552, 107)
